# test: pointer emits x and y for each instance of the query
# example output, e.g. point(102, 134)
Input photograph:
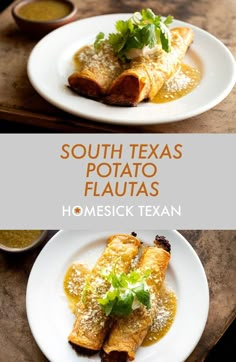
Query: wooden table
point(19, 102)
point(216, 250)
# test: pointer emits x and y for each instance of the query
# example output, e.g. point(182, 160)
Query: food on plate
point(96, 71)
point(128, 333)
point(122, 303)
point(134, 64)
point(184, 81)
point(146, 75)
point(92, 324)
point(74, 283)
point(164, 317)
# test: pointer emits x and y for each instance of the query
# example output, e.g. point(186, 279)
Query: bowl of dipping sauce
point(39, 17)
point(20, 240)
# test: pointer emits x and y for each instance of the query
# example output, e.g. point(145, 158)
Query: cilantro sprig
point(142, 29)
point(125, 291)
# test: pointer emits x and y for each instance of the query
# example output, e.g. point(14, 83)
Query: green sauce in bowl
point(44, 10)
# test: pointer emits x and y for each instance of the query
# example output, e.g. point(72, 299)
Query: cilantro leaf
point(168, 20)
point(123, 304)
point(124, 290)
point(123, 280)
point(148, 35)
point(165, 37)
point(107, 303)
point(143, 296)
point(142, 29)
point(134, 277)
point(99, 39)
point(122, 26)
point(116, 41)
point(107, 308)
point(147, 14)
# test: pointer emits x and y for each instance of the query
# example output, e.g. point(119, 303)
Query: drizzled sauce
point(165, 315)
point(74, 282)
point(184, 81)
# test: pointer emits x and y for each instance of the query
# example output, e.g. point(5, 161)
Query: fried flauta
point(99, 69)
point(91, 325)
point(146, 75)
point(128, 333)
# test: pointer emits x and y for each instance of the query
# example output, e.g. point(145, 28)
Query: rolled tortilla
point(100, 68)
point(146, 75)
point(91, 323)
point(128, 333)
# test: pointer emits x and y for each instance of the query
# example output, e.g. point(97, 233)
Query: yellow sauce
point(74, 282)
point(82, 56)
point(183, 82)
point(44, 10)
point(165, 315)
point(18, 238)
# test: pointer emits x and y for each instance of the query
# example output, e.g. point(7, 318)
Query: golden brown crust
point(146, 75)
point(128, 333)
point(84, 85)
point(102, 76)
point(97, 73)
point(92, 325)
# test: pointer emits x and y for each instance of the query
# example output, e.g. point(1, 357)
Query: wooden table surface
point(216, 250)
point(19, 102)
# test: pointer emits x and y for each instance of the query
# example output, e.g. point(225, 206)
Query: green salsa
point(18, 238)
point(44, 10)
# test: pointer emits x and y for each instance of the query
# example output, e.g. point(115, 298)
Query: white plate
point(50, 64)
point(51, 320)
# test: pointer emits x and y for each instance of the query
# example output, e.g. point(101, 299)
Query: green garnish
point(125, 290)
point(142, 29)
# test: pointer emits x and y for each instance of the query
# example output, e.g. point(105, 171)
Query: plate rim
point(175, 232)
